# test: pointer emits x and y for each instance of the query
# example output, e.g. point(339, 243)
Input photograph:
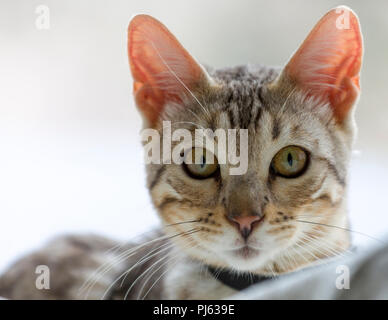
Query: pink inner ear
point(160, 66)
point(329, 55)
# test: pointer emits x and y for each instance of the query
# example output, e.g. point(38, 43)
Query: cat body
point(275, 218)
point(86, 267)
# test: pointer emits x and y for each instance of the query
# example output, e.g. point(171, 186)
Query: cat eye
point(290, 162)
point(200, 163)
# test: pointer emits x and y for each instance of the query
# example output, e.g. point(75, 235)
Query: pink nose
point(245, 224)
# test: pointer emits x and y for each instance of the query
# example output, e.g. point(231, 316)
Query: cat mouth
point(246, 252)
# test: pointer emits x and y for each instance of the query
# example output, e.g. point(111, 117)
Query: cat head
point(274, 217)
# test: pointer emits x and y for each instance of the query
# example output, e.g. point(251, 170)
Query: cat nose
point(245, 224)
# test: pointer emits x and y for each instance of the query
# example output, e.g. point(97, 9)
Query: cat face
point(275, 216)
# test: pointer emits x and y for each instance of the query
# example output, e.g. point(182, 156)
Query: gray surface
point(368, 270)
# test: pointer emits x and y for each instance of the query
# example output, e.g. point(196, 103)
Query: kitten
point(274, 219)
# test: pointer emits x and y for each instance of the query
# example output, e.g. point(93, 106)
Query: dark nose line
point(245, 232)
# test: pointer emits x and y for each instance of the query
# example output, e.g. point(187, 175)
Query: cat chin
point(246, 260)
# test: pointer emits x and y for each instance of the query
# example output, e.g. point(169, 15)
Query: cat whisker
point(106, 267)
point(333, 248)
point(195, 115)
point(164, 272)
point(286, 101)
point(282, 262)
point(317, 245)
point(152, 253)
point(146, 258)
point(318, 249)
point(116, 247)
point(271, 269)
point(300, 244)
point(125, 273)
point(322, 238)
point(189, 122)
point(289, 258)
point(143, 274)
point(306, 249)
point(156, 281)
point(341, 228)
point(300, 254)
point(183, 222)
point(218, 272)
point(179, 80)
point(151, 274)
point(310, 252)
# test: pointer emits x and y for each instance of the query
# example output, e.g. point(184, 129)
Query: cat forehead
point(237, 91)
point(245, 74)
point(242, 106)
point(244, 95)
point(241, 100)
point(271, 123)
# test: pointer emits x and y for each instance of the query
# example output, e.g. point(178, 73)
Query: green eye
point(200, 163)
point(290, 162)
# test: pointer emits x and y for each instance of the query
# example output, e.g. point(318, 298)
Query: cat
point(284, 214)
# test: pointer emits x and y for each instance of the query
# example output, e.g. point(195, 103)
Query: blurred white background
point(70, 157)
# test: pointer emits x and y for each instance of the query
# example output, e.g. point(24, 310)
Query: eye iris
point(290, 162)
point(198, 166)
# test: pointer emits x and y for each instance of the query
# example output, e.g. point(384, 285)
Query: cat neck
point(237, 281)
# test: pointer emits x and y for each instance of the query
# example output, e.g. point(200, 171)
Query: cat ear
point(163, 71)
point(327, 64)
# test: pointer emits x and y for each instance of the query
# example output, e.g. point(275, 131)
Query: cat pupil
point(289, 159)
point(203, 162)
